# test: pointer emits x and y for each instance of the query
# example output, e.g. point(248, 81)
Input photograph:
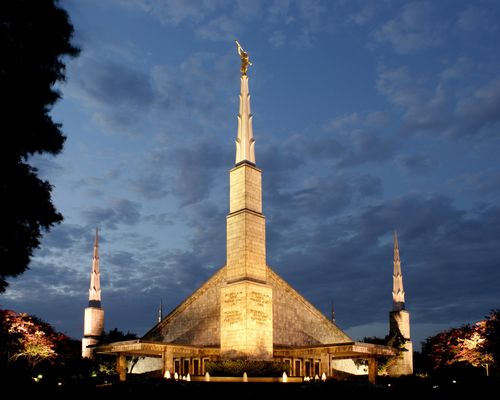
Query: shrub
point(251, 367)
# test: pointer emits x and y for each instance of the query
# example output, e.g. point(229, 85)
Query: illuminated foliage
point(29, 338)
point(474, 345)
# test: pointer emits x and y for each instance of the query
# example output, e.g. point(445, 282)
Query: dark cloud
point(415, 163)
point(482, 183)
point(65, 236)
point(446, 253)
point(442, 110)
point(478, 113)
point(116, 84)
point(366, 147)
point(120, 211)
point(122, 259)
point(187, 173)
point(124, 99)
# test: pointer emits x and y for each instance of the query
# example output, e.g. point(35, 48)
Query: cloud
point(197, 166)
point(479, 112)
point(446, 253)
point(46, 165)
point(171, 11)
point(415, 163)
point(457, 70)
point(111, 83)
point(66, 236)
point(277, 39)
point(481, 183)
point(364, 14)
point(441, 109)
point(187, 173)
point(120, 211)
point(366, 147)
point(226, 20)
point(414, 28)
point(220, 28)
point(471, 18)
point(162, 99)
point(361, 139)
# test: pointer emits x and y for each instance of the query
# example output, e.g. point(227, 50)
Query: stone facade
point(295, 322)
point(246, 320)
point(399, 322)
point(93, 328)
point(93, 324)
point(195, 321)
point(245, 225)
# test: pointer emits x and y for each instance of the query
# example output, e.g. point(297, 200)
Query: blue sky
point(369, 116)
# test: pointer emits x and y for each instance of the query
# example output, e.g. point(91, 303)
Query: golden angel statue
point(245, 62)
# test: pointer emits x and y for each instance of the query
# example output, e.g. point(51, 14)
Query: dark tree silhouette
point(35, 35)
point(115, 335)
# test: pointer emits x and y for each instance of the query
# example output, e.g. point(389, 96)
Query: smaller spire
point(333, 313)
point(160, 311)
point(95, 276)
point(398, 293)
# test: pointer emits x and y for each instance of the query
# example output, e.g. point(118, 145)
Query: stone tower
point(93, 323)
point(399, 320)
point(246, 320)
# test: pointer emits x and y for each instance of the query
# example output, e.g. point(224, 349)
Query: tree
point(394, 340)
point(35, 35)
point(27, 338)
point(473, 345)
point(115, 335)
point(441, 349)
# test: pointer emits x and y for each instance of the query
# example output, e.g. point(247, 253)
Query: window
point(185, 369)
point(307, 365)
point(297, 371)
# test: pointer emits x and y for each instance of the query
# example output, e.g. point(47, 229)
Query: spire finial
point(398, 293)
point(245, 142)
point(333, 313)
point(95, 279)
point(245, 62)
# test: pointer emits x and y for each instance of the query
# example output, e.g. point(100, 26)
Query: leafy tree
point(492, 335)
point(473, 345)
point(28, 338)
point(441, 349)
point(35, 35)
point(395, 340)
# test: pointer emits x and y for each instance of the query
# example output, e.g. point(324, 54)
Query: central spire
point(398, 293)
point(244, 142)
point(95, 276)
point(246, 298)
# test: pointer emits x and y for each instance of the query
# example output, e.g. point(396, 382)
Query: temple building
point(245, 309)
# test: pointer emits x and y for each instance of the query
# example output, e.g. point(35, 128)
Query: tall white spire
point(95, 276)
point(398, 293)
point(244, 142)
point(93, 322)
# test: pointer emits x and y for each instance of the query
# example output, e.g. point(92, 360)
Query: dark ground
point(404, 389)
